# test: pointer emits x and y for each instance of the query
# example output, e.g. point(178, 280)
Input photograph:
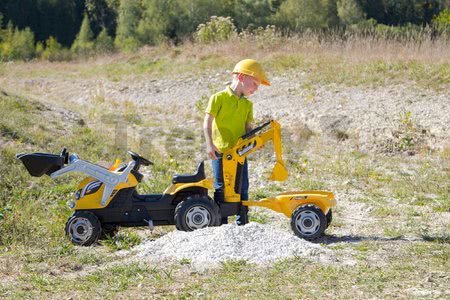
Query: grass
point(122, 241)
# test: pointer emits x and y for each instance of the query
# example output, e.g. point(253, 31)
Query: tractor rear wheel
point(196, 212)
point(308, 222)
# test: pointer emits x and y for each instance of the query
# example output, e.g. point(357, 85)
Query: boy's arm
point(207, 131)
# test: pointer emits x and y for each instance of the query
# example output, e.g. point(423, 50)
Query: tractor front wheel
point(308, 222)
point(83, 228)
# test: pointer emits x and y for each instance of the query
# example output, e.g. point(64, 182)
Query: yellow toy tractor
point(107, 198)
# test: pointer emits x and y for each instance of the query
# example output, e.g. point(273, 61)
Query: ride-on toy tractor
point(108, 198)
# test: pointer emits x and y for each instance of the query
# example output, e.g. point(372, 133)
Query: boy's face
point(249, 84)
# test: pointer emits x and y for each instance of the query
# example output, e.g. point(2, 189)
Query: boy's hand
point(211, 150)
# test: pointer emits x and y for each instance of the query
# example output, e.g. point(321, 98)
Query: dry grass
point(279, 53)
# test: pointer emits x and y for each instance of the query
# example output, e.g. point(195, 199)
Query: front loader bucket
point(279, 172)
point(39, 164)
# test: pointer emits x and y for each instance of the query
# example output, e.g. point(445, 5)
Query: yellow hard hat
point(252, 68)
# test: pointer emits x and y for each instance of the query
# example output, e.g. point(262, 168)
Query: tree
point(83, 43)
point(298, 15)
point(104, 43)
point(126, 33)
point(253, 13)
point(60, 18)
point(350, 12)
point(103, 15)
point(52, 49)
point(401, 12)
point(17, 44)
point(441, 22)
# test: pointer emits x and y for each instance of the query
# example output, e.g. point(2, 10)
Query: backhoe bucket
point(279, 172)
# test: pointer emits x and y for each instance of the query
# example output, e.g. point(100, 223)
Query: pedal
point(150, 224)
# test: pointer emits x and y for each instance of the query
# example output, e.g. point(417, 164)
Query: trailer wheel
point(83, 228)
point(329, 217)
point(308, 222)
point(196, 212)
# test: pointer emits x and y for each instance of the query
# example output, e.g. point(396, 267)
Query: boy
point(229, 115)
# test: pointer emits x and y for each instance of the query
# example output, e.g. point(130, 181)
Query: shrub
point(265, 38)
point(350, 12)
point(300, 15)
point(104, 43)
point(17, 44)
point(441, 22)
point(217, 29)
point(55, 52)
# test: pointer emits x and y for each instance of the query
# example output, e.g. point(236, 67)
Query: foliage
point(252, 13)
point(350, 12)
point(54, 51)
point(103, 15)
point(45, 18)
point(217, 29)
point(299, 15)
point(83, 43)
point(264, 38)
point(157, 19)
point(104, 43)
point(17, 44)
point(134, 23)
point(401, 12)
point(442, 21)
point(127, 23)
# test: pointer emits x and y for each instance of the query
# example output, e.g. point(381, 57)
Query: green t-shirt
point(231, 113)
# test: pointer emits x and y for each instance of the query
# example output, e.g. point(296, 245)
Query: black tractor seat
point(187, 178)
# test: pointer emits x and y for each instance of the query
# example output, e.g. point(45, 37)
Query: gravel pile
point(208, 247)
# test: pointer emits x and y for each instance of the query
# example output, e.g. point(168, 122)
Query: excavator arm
point(234, 158)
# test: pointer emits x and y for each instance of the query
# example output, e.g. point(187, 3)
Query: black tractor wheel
point(83, 228)
point(308, 222)
point(196, 212)
point(329, 217)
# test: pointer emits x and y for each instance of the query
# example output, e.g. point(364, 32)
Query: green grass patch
point(124, 240)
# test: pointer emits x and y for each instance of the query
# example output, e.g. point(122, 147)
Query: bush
point(441, 22)
point(217, 29)
point(264, 38)
point(302, 15)
point(54, 51)
point(17, 44)
point(104, 43)
point(350, 12)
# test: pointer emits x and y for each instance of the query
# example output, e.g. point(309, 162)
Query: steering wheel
point(139, 158)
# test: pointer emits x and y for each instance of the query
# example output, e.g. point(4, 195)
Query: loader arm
point(234, 158)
